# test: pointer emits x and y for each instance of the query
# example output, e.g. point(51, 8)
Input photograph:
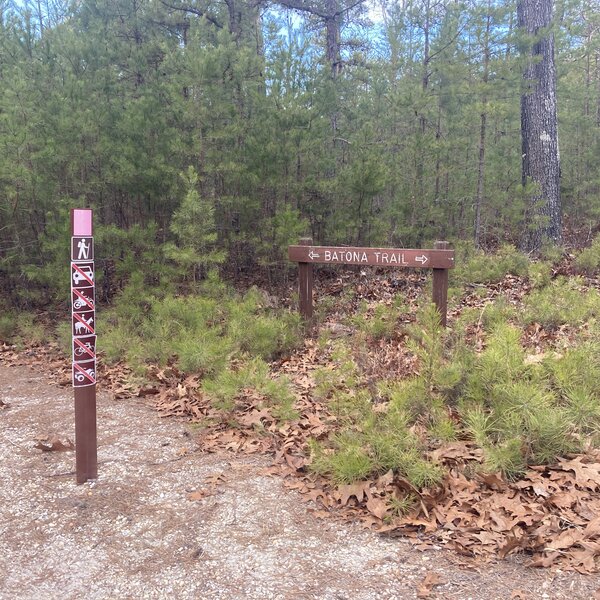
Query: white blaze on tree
point(539, 129)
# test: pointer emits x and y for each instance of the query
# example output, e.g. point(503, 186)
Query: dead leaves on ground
point(425, 588)
point(552, 514)
point(52, 443)
point(211, 482)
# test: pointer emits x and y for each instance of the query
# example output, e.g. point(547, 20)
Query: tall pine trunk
point(539, 131)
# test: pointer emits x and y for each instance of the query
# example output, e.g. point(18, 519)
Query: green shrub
point(518, 411)
point(30, 330)
point(342, 374)
point(206, 353)
point(203, 332)
point(540, 274)
point(380, 324)
point(347, 462)
point(491, 268)
point(427, 343)
point(8, 326)
point(420, 472)
point(64, 337)
point(388, 436)
point(497, 313)
point(582, 409)
point(578, 367)
point(501, 361)
point(506, 457)
point(228, 384)
point(565, 301)
point(588, 260)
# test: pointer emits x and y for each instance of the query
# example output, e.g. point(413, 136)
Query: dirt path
point(163, 521)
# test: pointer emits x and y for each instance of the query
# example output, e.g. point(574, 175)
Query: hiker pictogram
point(82, 249)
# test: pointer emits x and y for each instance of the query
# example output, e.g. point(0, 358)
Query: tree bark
point(539, 130)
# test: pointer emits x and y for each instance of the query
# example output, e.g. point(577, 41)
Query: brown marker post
point(84, 344)
point(440, 286)
point(305, 285)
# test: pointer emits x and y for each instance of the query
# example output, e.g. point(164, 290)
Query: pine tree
point(539, 126)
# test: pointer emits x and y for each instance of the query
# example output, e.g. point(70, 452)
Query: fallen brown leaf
point(358, 490)
point(199, 494)
point(377, 507)
point(54, 444)
point(425, 588)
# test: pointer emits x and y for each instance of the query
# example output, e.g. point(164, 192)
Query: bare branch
point(194, 11)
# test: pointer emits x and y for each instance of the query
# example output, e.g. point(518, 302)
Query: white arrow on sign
point(313, 255)
point(422, 259)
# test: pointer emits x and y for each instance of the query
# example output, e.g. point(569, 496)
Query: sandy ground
point(164, 521)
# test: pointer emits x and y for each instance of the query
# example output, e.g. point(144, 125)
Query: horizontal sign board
point(380, 257)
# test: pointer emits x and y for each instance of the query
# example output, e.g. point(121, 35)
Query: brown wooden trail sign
point(440, 259)
point(83, 321)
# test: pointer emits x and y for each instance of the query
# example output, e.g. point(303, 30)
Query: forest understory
point(481, 437)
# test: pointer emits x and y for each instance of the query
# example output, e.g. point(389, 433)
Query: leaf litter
point(552, 514)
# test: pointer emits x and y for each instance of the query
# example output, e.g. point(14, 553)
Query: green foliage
point(491, 268)
point(420, 471)
point(402, 506)
point(380, 324)
point(515, 411)
point(427, 343)
point(204, 331)
point(30, 329)
point(562, 302)
point(8, 326)
point(588, 260)
point(520, 412)
point(506, 457)
point(342, 374)
point(497, 313)
point(228, 384)
point(540, 274)
point(64, 336)
point(346, 462)
point(140, 267)
point(270, 145)
point(193, 224)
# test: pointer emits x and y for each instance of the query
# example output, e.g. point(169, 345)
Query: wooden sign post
point(83, 328)
point(440, 259)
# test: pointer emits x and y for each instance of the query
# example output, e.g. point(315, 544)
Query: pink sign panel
point(82, 221)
